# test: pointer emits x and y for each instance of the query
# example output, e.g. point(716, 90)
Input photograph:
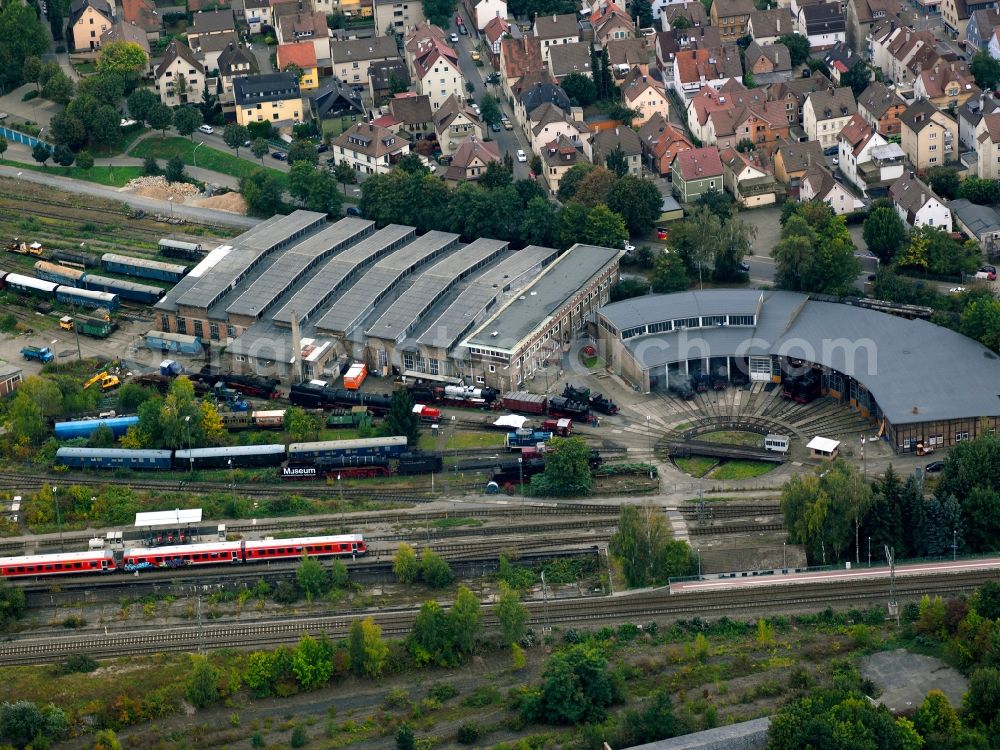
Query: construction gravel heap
point(158, 187)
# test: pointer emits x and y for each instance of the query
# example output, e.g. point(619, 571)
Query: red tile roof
point(697, 163)
point(302, 54)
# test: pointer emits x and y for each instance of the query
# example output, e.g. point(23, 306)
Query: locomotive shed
point(389, 298)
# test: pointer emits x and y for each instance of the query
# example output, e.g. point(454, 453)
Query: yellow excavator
point(105, 377)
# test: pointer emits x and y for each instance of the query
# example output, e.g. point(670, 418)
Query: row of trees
point(815, 252)
point(644, 548)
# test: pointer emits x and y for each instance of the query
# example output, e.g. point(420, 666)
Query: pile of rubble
point(159, 183)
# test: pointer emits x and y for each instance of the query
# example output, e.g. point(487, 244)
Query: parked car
point(322, 148)
point(353, 211)
point(247, 144)
point(832, 151)
point(745, 266)
point(495, 127)
point(476, 57)
point(463, 31)
point(454, 38)
point(206, 129)
point(957, 290)
point(990, 271)
point(507, 124)
point(661, 233)
point(521, 156)
point(934, 467)
point(279, 155)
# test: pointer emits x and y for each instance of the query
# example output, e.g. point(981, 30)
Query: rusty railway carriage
point(185, 554)
point(66, 563)
point(314, 546)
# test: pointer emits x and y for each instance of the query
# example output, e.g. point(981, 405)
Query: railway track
point(640, 607)
point(746, 528)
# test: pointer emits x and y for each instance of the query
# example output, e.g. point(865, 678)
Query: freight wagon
point(95, 327)
point(142, 268)
point(174, 342)
point(179, 249)
point(529, 403)
point(84, 260)
point(84, 428)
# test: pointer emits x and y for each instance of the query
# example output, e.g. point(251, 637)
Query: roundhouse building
point(918, 381)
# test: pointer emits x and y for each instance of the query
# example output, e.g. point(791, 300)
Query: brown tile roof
point(910, 194)
point(495, 28)
point(561, 152)
point(142, 13)
point(376, 48)
point(944, 74)
point(450, 109)
point(878, 98)
point(370, 139)
point(556, 26)
point(174, 50)
point(126, 32)
point(737, 160)
point(635, 84)
point(658, 135)
point(216, 42)
point(570, 58)
point(820, 181)
point(208, 22)
point(731, 8)
point(627, 52)
point(713, 64)
point(773, 22)
point(79, 6)
point(857, 133)
point(309, 26)
point(471, 149)
point(778, 54)
point(798, 156)
point(606, 141)
point(692, 11)
point(992, 122)
point(302, 54)
point(521, 56)
point(698, 163)
point(832, 103)
point(235, 57)
point(918, 115)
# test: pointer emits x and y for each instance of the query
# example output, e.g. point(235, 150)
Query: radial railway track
point(638, 608)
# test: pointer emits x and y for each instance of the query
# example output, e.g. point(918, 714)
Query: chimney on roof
point(923, 197)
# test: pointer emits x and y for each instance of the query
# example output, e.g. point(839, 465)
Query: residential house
point(270, 97)
point(197, 6)
point(491, 36)
point(917, 205)
point(761, 123)
point(988, 147)
point(731, 95)
point(369, 148)
point(747, 179)
point(469, 163)
point(398, 15)
point(826, 112)
point(881, 107)
point(436, 71)
point(862, 15)
point(696, 68)
point(311, 27)
point(210, 47)
point(603, 143)
point(126, 32)
point(979, 222)
point(481, 12)
point(210, 23)
point(558, 157)
point(969, 115)
point(668, 12)
point(669, 43)
point(956, 14)
point(695, 172)
point(793, 160)
point(301, 55)
point(89, 19)
point(518, 58)
point(793, 94)
point(387, 78)
point(819, 185)
point(645, 95)
point(551, 30)
point(900, 52)
point(993, 45)
point(867, 160)
point(661, 142)
point(626, 55)
point(566, 59)
point(732, 17)
point(947, 85)
point(840, 59)
point(543, 91)
point(352, 58)
point(179, 76)
point(610, 23)
point(823, 24)
point(336, 100)
point(768, 26)
point(454, 123)
point(547, 122)
point(981, 29)
point(768, 63)
point(142, 14)
point(234, 61)
point(257, 14)
point(930, 137)
point(413, 112)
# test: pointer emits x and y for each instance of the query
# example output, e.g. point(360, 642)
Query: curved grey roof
point(915, 370)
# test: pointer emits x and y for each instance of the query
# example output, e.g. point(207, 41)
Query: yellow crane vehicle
point(107, 377)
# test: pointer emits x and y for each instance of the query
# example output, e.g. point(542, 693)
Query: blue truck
point(42, 353)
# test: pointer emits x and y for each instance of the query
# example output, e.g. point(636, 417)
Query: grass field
point(696, 466)
point(206, 158)
point(110, 176)
point(731, 437)
point(473, 440)
point(742, 470)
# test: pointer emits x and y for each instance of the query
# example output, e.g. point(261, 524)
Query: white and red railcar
point(65, 563)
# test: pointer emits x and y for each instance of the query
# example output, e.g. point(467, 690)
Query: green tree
point(538, 223)
point(404, 738)
point(489, 110)
point(858, 77)
point(3, 146)
point(401, 420)
point(12, 603)
point(983, 699)
point(262, 192)
point(344, 174)
point(571, 181)
point(104, 127)
point(577, 688)
point(642, 13)
point(815, 253)
point(944, 181)
point(669, 273)
point(643, 547)
point(84, 160)
point(985, 70)
point(567, 468)
point(174, 171)
point(201, 687)
point(24, 723)
point(439, 12)
point(41, 153)
point(637, 201)
point(627, 289)
point(983, 192)
point(495, 176)
point(141, 102)
point(126, 59)
point(312, 578)
point(936, 718)
point(299, 424)
point(160, 117)
point(187, 120)
point(916, 252)
point(580, 89)
point(616, 162)
point(594, 187)
point(465, 620)
point(106, 739)
point(58, 88)
point(316, 189)
point(884, 232)
point(102, 437)
point(405, 565)
point(22, 36)
point(261, 673)
point(235, 135)
point(603, 227)
point(368, 653)
point(302, 150)
point(105, 88)
point(312, 662)
point(63, 156)
point(435, 570)
point(798, 47)
point(511, 614)
point(31, 71)
point(259, 149)
point(430, 640)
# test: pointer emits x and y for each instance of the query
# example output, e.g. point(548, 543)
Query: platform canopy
point(822, 444)
point(167, 518)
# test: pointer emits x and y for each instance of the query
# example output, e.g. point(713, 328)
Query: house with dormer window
point(370, 149)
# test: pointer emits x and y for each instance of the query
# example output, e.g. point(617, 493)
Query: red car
point(661, 233)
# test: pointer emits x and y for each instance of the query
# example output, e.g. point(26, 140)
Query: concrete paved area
point(36, 110)
point(905, 679)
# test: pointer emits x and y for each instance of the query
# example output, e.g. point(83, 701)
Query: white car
point(629, 247)
point(520, 155)
point(454, 38)
point(208, 129)
point(957, 290)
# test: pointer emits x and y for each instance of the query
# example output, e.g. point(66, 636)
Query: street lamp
point(170, 199)
point(784, 558)
point(55, 499)
point(520, 472)
point(699, 563)
point(954, 544)
point(232, 477)
point(187, 423)
point(869, 552)
point(194, 153)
